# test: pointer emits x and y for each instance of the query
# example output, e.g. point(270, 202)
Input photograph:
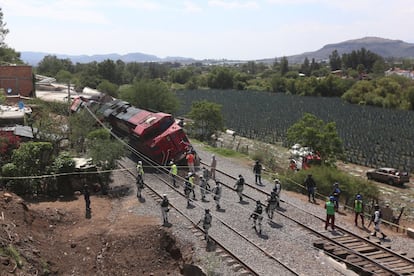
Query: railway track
point(223, 235)
point(360, 254)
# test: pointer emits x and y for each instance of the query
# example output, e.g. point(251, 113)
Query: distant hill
point(33, 58)
point(380, 46)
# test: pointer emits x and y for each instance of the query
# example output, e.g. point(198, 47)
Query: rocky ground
point(123, 236)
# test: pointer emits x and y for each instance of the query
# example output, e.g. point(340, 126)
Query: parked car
point(389, 175)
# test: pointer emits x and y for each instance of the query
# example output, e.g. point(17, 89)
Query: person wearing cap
point(257, 170)
point(376, 218)
point(239, 186)
point(277, 189)
point(359, 209)
point(206, 223)
point(217, 194)
point(310, 186)
point(213, 166)
point(165, 204)
point(204, 187)
point(330, 213)
point(272, 204)
point(257, 217)
point(173, 173)
point(335, 193)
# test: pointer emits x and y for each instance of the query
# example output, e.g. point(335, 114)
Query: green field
point(371, 136)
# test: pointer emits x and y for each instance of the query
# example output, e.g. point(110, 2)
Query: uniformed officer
point(257, 217)
point(206, 223)
point(217, 194)
point(165, 204)
point(239, 187)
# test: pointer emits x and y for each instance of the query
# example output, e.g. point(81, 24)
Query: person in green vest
point(359, 209)
point(330, 213)
point(173, 173)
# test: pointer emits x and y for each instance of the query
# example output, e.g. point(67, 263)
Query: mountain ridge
point(381, 46)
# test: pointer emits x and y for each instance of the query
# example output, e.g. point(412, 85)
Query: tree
point(105, 152)
point(335, 61)
point(150, 94)
point(314, 133)
point(3, 30)
point(207, 118)
point(284, 66)
point(7, 54)
point(305, 67)
point(220, 78)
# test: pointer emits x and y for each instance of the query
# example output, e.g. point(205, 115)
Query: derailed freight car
point(157, 135)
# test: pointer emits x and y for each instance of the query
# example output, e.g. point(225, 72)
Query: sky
point(211, 29)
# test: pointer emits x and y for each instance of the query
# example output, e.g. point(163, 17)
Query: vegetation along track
point(358, 253)
point(237, 249)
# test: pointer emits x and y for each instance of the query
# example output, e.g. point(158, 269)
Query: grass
point(13, 253)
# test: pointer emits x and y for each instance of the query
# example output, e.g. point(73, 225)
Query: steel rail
point(379, 247)
point(246, 266)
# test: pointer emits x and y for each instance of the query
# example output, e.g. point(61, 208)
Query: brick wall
point(17, 79)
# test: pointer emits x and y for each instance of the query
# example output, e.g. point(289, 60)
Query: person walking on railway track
point(140, 170)
point(205, 173)
point(140, 185)
point(376, 218)
point(213, 166)
point(272, 203)
point(359, 210)
point(217, 194)
point(310, 186)
point(173, 173)
point(165, 204)
point(257, 170)
point(257, 217)
point(330, 213)
point(187, 189)
point(191, 180)
point(277, 189)
point(336, 193)
point(207, 219)
point(204, 187)
point(190, 161)
point(239, 186)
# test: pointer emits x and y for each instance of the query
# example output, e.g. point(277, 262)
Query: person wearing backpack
point(376, 218)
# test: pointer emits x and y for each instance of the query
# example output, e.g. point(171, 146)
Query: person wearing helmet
point(204, 187)
point(205, 173)
point(165, 204)
point(335, 193)
point(330, 213)
point(192, 183)
point(257, 217)
point(359, 210)
point(140, 171)
point(310, 186)
point(173, 173)
point(206, 223)
point(272, 203)
point(239, 186)
point(217, 194)
point(257, 170)
point(376, 218)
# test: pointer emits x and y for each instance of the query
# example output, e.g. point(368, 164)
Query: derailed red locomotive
point(155, 134)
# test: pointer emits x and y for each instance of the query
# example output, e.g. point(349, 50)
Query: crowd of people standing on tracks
point(191, 180)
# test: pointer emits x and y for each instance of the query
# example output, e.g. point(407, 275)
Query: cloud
point(191, 7)
point(233, 4)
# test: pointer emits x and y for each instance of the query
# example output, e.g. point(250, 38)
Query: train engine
point(155, 134)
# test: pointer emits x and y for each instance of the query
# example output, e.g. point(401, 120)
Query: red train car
point(155, 134)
